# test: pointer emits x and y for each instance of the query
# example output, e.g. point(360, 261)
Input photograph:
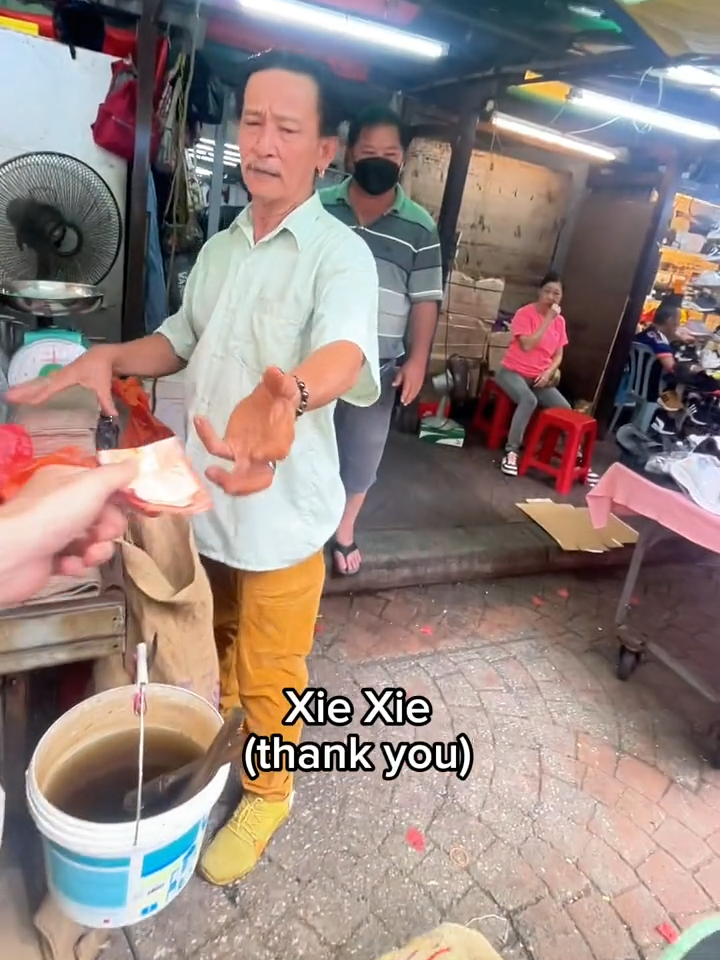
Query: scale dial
point(42, 357)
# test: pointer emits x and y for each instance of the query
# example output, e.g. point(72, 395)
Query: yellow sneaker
point(238, 847)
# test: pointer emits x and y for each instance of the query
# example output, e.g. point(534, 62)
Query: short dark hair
point(665, 313)
point(550, 277)
point(378, 116)
point(304, 67)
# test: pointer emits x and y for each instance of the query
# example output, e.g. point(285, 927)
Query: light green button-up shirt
point(248, 306)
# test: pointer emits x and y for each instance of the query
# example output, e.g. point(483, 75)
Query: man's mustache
point(259, 168)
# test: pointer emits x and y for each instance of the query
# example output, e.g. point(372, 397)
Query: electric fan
point(60, 236)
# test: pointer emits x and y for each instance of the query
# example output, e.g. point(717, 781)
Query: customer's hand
point(544, 380)
point(93, 370)
point(64, 520)
point(260, 431)
point(409, 380)
point(683, 335)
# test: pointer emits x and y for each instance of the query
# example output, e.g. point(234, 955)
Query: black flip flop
point(344, 550)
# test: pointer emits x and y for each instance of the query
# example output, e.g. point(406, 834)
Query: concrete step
point(409, 558)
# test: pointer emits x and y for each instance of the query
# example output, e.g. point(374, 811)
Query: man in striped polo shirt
point(404, 241)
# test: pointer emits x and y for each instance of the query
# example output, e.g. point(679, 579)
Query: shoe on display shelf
point(709, 280)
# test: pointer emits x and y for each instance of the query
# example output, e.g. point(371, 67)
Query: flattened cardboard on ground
point(571, 528)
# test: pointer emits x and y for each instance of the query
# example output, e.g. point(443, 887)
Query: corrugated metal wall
point(512, 214)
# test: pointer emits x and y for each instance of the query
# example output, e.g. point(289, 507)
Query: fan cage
point(83, 199)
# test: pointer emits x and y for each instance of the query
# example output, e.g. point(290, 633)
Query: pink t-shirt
point(533, 363)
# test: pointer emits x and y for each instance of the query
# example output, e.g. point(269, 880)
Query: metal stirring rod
point(140, 708)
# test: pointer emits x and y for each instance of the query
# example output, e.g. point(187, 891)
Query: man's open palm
point(260, 431)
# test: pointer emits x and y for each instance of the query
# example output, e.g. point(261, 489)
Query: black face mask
point(376, 175)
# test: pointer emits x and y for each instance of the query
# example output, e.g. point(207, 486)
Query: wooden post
point(462, 146)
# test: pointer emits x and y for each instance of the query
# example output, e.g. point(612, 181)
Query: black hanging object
point(107, 434)
point(79, 23)
point(205, 99)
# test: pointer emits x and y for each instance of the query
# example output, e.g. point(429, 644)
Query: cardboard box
point(460, 334)
point(473, 298)
point(497, 345)
point(444, 432)
point(571, 527)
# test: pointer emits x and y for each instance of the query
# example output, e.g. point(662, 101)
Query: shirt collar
point(300, 222)
point(343, 194)
point(660, 335)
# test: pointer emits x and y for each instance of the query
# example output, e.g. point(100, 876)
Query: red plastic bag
point(16, 450)
point(114, 126)
point(142, 426)
point(18, 474)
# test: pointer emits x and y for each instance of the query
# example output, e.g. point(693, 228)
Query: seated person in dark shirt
point(658, 336)
point(677, 365)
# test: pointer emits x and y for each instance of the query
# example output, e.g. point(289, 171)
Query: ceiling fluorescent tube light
point(340, 24)
point(692, 76)
point(550, 137)
point(647, 116)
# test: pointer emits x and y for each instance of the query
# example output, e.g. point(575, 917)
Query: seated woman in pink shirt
point(532, 361)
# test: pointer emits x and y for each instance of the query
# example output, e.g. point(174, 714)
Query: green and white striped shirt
point(406, 247)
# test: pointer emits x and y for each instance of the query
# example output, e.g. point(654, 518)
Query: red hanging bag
point(114, 126)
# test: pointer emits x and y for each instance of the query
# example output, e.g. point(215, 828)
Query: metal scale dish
point(49, 348)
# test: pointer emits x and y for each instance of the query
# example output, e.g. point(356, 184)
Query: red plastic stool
point(579, 432)
point(493, 415)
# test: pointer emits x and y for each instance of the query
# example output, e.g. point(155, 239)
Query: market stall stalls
point(690, 262)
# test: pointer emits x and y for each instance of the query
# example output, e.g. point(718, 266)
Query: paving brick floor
point(589, 818)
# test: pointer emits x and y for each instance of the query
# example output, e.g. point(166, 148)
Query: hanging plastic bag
point(114, 126)
point(142, 425)
point(206, 95)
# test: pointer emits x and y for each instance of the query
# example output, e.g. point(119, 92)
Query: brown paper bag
point(167, 595)
point(451, 941)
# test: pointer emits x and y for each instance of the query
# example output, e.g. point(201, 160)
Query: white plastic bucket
point(95, 872)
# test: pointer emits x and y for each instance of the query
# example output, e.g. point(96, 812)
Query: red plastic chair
point(573, 464)
point(492, 417)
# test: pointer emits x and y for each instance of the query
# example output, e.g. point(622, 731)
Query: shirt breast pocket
point(275, 336)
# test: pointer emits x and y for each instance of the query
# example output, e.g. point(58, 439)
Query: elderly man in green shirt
point(278, 321)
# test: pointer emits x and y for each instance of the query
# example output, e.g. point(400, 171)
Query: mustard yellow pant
point(264, 631)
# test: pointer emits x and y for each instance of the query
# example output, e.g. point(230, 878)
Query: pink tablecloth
point(621, 490)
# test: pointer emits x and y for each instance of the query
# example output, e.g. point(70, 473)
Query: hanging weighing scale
point(48, 348)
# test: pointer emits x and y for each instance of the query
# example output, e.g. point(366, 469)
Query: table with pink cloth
point(621, 491)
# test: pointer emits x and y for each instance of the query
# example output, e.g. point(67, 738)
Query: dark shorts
point(362, 433)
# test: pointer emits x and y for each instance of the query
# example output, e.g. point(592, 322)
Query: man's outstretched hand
point(93, 370)
point(260, 431)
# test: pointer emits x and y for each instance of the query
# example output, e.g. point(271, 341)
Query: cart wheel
point(627, 664)
point(712, 745)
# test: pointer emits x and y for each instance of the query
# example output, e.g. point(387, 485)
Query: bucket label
point(113, 892)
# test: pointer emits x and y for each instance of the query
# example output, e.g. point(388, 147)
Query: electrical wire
point(641, 129)
point(180, 132)
point(180, 169)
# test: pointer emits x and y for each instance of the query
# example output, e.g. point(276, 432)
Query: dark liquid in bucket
point(93, 784)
